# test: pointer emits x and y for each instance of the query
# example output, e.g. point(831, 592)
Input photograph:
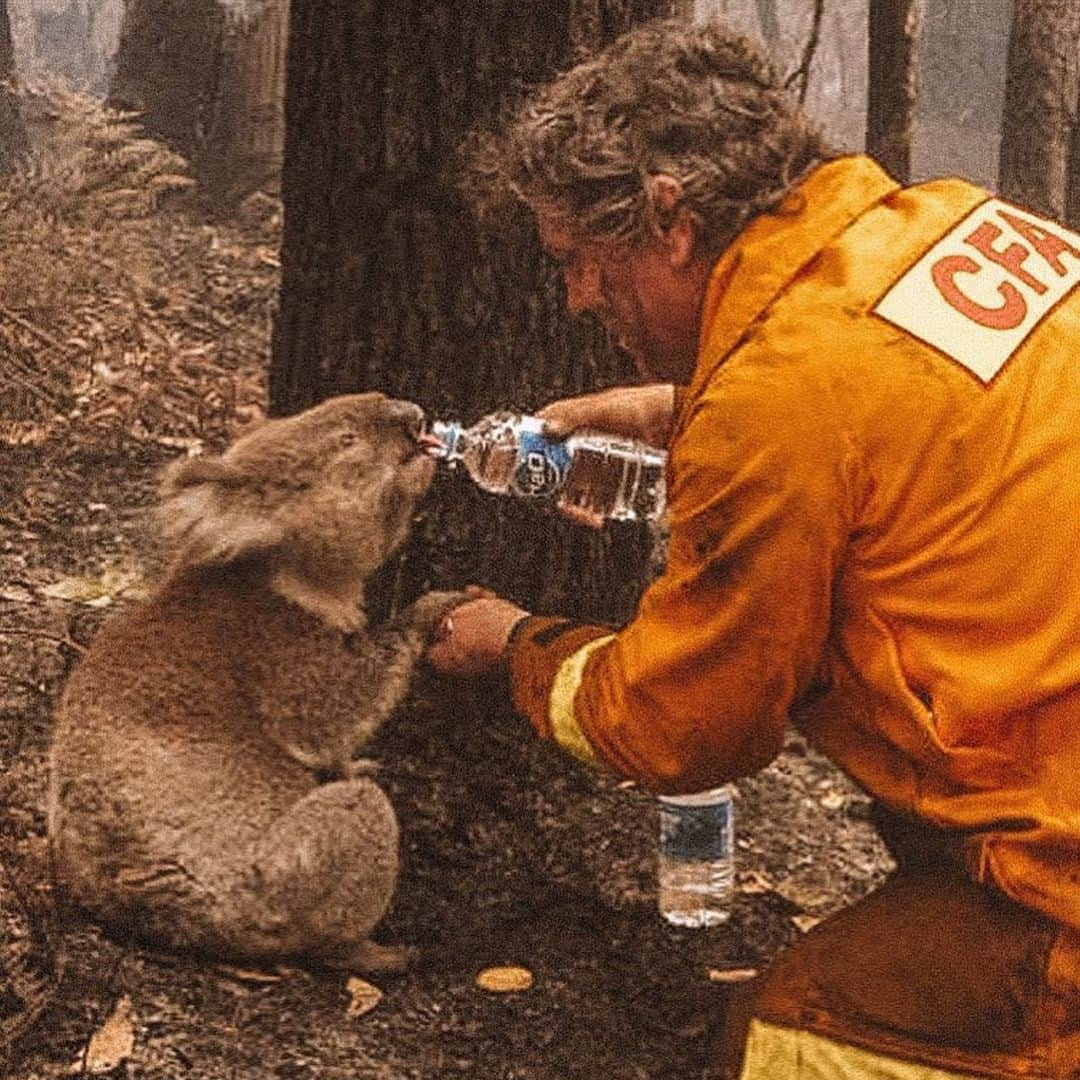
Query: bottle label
point(698, 833)
point(541, 467)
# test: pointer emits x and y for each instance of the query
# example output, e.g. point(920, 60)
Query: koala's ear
point(204, 516)
point(190, 472)
point(226, 538)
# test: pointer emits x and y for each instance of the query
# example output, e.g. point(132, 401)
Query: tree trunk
point(893, 48)
point(212, 86)
point(12, 132)
point(1072, 202)
point(1042, 88)
point(244, 139)
point(770, 23)
point(7, 50)
point(388, 285)
point(167, 67)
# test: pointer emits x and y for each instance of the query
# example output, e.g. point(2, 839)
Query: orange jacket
point(874, 500)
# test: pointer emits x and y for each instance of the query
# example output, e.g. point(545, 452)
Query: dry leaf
point(504, 980)
point(97, 592)
point(363, 997)
point(247, 974)
point(805, 922)
point(73, 588)
point(754, 882)
point(834, 800)
point(111, 1044)
point(805, 890)
point(192, 445)
point(732, 975)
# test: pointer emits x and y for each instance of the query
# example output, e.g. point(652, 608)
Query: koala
point(204, 792)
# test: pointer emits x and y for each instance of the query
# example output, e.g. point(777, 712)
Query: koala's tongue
point(430, 444)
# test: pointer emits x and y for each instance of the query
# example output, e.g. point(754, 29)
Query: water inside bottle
point(696, 868)
point(494, 465)
point(695, 893)
point(616, 479)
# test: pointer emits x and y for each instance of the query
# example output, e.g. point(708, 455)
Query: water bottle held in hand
point(589, 475)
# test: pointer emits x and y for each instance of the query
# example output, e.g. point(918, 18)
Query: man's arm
point(646, 413)
point(696, 689)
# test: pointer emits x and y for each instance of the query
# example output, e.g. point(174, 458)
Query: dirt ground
point(511, 853)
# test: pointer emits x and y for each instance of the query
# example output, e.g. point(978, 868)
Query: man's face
point(648, 306)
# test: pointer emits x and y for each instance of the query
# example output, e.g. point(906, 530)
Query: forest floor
point(134, 328)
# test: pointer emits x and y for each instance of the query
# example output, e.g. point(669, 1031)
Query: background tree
point(12, 132)
point(770, 23)
point(244, 138)
point(892, 89)
point(1042, 88)
point(211, 86)
point(388, 285)
point(166, 66)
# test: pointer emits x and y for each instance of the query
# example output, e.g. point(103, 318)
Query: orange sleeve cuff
point(539, 645)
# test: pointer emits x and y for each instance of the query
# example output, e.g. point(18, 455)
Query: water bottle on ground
point(696, 872)
point(589, 474)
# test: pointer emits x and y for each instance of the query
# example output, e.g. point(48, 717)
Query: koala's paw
point(363, 766)
point(368, 958)
point(426, 614)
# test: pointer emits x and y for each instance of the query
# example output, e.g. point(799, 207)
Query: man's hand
point(646, 413)
point(473, 637)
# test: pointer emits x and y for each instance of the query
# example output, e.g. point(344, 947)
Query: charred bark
point(7, 50)
point(167, 66)
point(770, 22)
point(1072, 200)
point(242, 145)
point(211, 84)
point(1042, 88)
point(13, 142)
point(388, 285)
point(893, 83)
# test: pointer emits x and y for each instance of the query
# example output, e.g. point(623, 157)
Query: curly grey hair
point(698, 102)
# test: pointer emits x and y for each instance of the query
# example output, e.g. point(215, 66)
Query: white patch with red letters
point(979, 292)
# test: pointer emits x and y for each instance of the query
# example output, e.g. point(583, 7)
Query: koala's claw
point(369, 958)
point(427, 613)
point(363, 766)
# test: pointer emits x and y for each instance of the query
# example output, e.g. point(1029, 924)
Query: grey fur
point(203, 790)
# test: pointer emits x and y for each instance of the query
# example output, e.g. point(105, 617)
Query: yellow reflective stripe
point(773, 1052)
point(564, 725)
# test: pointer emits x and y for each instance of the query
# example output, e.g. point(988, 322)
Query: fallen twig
point(31, 328)
point(29, 631)
point(801, 74)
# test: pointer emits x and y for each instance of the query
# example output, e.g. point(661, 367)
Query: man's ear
point(672, 222)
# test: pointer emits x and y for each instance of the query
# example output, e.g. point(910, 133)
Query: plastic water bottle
point(696, 872)
point(597, 475)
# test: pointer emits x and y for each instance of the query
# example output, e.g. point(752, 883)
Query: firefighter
point(870, 396)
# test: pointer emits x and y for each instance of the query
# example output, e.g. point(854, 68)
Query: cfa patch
point(980, 291)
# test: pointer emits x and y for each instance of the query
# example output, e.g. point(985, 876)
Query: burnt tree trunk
point(244, 139)
point(209, 79)
point(892, 67)
point(769, 21)
point(1042, 87)
point(167, 65)
point(1072, 199)
point(388, 285)
point(12, 131)
point(7, 50)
